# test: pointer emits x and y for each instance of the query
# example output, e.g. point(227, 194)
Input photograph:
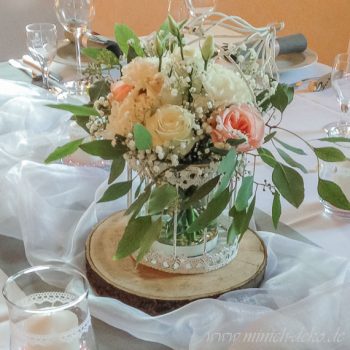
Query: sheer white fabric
point(52, 208)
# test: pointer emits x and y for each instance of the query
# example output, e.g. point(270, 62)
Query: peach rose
point(120, 90)
point(237, 122)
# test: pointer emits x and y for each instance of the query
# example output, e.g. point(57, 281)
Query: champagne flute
point(201, 7)
point(42, 45)
point(341, 83)
point(75, 17)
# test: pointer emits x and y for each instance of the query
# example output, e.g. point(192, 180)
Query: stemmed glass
point(42, 45)
point(75, 17)
point(341, 84)
point(201, 7)
point(178, 9)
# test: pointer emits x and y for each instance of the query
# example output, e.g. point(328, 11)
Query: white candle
point(52, 325)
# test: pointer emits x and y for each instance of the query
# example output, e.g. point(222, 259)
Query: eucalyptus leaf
point(220, 151)
point(81, 121)
point(289, 183)
point(335, 139)
point(64, 151)
point(270, 136)
point(291, 148)
point(236, 142)
point(333, 194)
point(137, 205)
point(244, 193)
point(99, 89)
point(116, 191)
point(117, 169)
point(290, 161)
point(82, 111)
point(124, 36)
point(276, 209)
point(103, 149)
point(143, 138)
point(139, 187)
point(132, 237)
point(226, 168)
point(151, 235)
point(214, 208)
point(267, 157)
point(161, 198)
point(330, 154)
point(202, 191)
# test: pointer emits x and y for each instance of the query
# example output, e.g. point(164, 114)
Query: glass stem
point(77, 36)
point(343, 116)
point(45, 73)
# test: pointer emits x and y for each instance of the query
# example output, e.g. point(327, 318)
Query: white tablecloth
point(52, 209)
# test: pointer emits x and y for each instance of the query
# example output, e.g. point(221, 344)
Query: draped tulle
point(302, 303)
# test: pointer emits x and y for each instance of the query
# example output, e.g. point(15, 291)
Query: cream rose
point(170, 125)
point(225, 87)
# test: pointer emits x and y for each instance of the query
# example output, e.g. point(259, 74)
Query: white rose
point(170, 125)
point(225, 87)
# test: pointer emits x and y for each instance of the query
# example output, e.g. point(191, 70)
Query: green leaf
point(289, 183)
point(81, 121)
point(202, 191)
point(64, 151)
point(82, 111)
point(226, 168)
point(270, 136)
point(116, 191)
point(289, 160)
point(103, 149)
point(117, 168)
point(143, 138)
point(267, 157)
point(330, 154)
point(245, 192)
point(282, 97)
point(124, 35)
point(241, 220)
point(131, 54)
point(99, 89)
point(137, 205)
point(333, 194)
point(139, 187)
point(221, 152)
point(291, 148)
point(91, 52)
point(214, 208)
point(161, 198)
point(335, 139)
point(151, 235)
point(276, 209)
point(132, 237)
point(236, 142)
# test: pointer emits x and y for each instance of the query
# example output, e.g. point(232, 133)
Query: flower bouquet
point(188, 122)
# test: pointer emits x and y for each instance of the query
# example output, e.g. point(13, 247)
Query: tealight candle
point(53, 325)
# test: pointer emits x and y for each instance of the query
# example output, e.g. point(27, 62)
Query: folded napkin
point(294, 43)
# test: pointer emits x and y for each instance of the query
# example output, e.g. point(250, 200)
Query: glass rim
point(63, 268)
point(344, 56)
point(49, 26)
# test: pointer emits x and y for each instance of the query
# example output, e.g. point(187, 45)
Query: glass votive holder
point(48, 309)
point(339, 173)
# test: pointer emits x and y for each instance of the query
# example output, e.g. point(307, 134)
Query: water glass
point(75, 16)
point(341, 83)
point(201, 7)
point(42, 45)
point(48, 309)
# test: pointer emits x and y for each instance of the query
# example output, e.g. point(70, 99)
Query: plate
point(293, 61)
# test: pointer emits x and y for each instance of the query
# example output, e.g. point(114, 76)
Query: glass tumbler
point(48, 309)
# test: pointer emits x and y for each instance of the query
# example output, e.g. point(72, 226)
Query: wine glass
point(178, 9)
point(42, 45)
point(75, 17)
point(341, 83)
point(201, 7)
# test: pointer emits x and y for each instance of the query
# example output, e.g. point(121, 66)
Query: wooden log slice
point(156, 292)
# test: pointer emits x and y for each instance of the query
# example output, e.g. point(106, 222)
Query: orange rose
point(236, 122)
point(120, 90)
